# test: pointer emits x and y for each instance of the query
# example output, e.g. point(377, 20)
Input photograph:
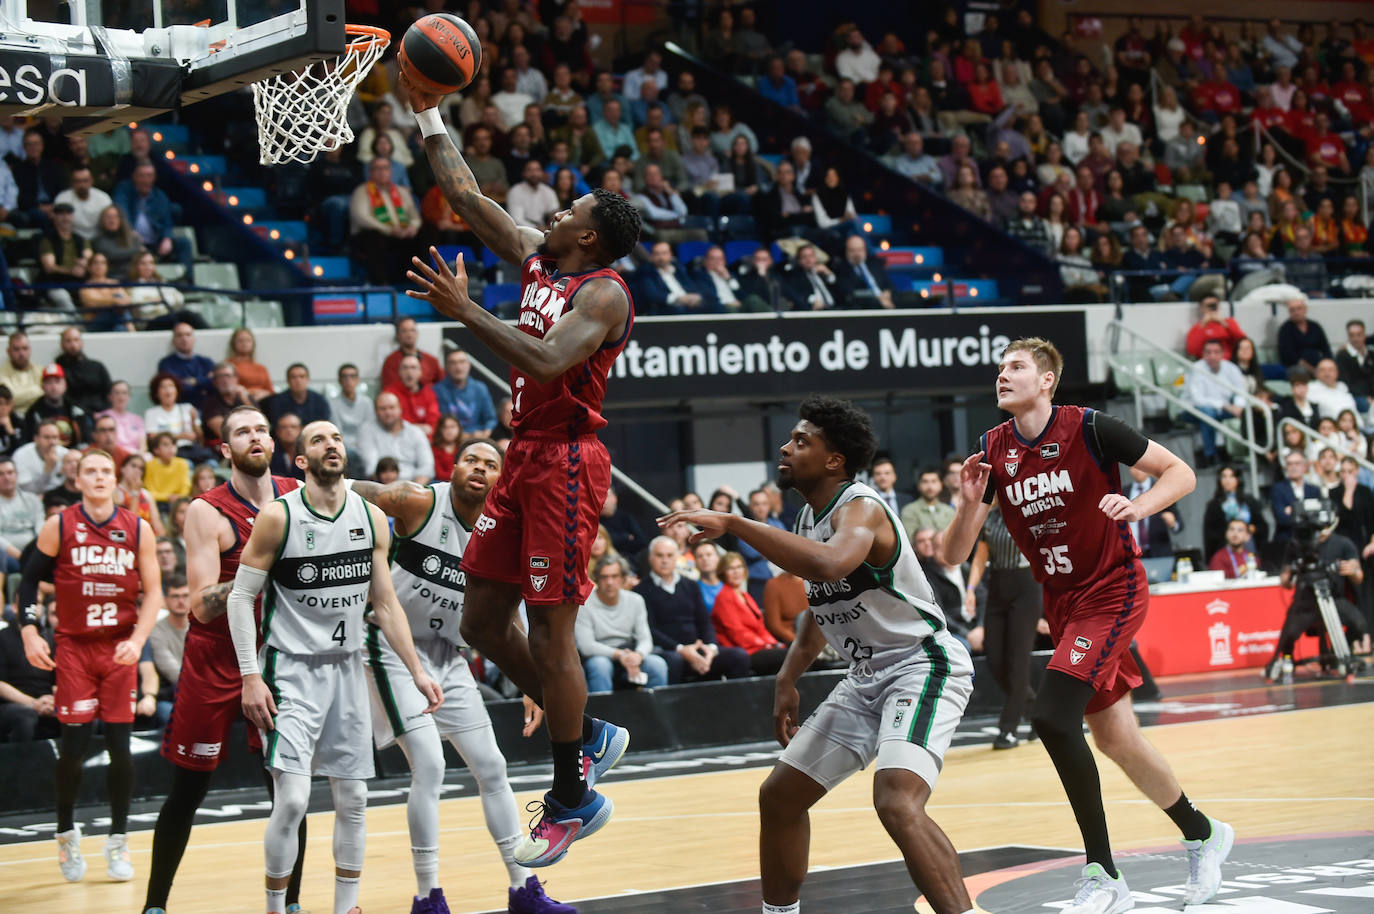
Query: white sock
point(276, 900)
point(425, 753)
point(426, 862)
point(483, 757)
point(793, 908)
point(517, 873)
point(345, 893)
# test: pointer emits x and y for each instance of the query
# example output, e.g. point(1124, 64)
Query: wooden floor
point(1265, 774)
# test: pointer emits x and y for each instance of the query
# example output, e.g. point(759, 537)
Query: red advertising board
point(615, 12)
point(1226, 629)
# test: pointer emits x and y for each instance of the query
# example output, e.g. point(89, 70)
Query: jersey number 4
point(1057, 560)
point(340, 634)
point(102, 614)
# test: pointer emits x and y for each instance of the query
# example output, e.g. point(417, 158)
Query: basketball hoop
point(302, 113)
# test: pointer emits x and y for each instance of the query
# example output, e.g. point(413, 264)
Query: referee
point(1013, 608)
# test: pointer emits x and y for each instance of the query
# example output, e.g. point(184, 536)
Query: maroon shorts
point(90, 684)
point(1092, 629)
point(209, 699)
point(540, 521)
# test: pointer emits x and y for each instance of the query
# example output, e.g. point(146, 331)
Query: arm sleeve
point(989, 488)
point(39, 567)
point(1113, 439)
point(248, 583)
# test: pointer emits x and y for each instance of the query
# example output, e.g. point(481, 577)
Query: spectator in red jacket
point(1267, 114)
point(1212, 326)
point(1349, 92)
point(407, 343)
point(1236, 558)
point(739, 621)
point(418, 403)
point(1084, 200)
point(1217, 96)
point(1327, 148)
point(984, 94)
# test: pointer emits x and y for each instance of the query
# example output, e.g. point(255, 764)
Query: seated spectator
point(612, 633)
point(190, 370)
point(1003, 202)
point(27, 709)
point(663, 210)
point(166, 475)
point(861, 281)
point(132, 495)
point(1212, 326)
point(833, 206)
point(1141, 255)
point(1355, 364)
point(762, 288)
point(1211, 388)
point(20, 376)
point(155, 303)
point(984, 95)
point(63, 256)
point(1077, 140)
point(150, 213)
point(680, 622)
point(708, 569)
point(930, 509)
point(419, 406)
point(73, 424)
point(39, 463)
point(857, 61)
point(726, 129)
point(562, 97)
point(286, 431)
point(810, 283)
point(1136, 179)
point(103, 438)
point(960, 155)
point(444, 443)
point(913, 162)
point(383, 148)
point(461, 395)
point(784, 599)
point(298, 398)
point(1354, 233)
point(783, 209)
point(384, 222)
point(1237, 558)
point(1291, 490)
point(40, 181)
point(1119, 130)
point(253, 376)
point(166, 414)
point(746, 177)
point(130, 432)
point(67, 492)
point(890, 124)
point(388, 435)
point(384, 124)
point(665, 288)
point(1324, 147)
point(520, 153)
point(407, 342)
point(1303, 266)
point(1082, 282)
point(657, 151)
point(1052, 166)
point(1028, 227)
point(718, 286)
point(613, 133)
point(1229, 504)
point(348, 409)
point(1083, 201)
point(102, 298)
point(965, 192)
point(1326, 238)
point(776, 86)
point(1328, 393)
point(846, 116)
point(226, 395)
point(168, 642)
point(21, 517)
point(532, 201)
point(946, 582)
point(114, 237)
point(739, 621)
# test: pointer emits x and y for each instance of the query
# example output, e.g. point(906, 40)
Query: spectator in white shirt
point(1075, 143)
point(532, 202)
point(87, 202)
point(527, 79)
point(914, 163)
point(21, 517)
point(347, 408)
point(858, 61)
point(1119, 130)
point(634, 80)
point(716, 276)
point(1213, 387)
point(39, 463)
point(1223, 215)
point(388, 435)
point(1282, 50)
point(1328, 392)
point(510, 102)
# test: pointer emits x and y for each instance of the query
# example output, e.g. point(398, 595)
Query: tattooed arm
point(492, 224)
point(207, 533)
point(405, 502)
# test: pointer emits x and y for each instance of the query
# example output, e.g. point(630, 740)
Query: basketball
point(440, 53)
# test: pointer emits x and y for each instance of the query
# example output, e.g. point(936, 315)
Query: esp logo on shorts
point(1076, 656)
point(484, 524)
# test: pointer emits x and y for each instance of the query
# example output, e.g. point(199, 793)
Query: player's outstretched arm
point(489, 221)
point(150, 576)
point(407, 503)
point(209, 597)
point(38, 568)
point(602, 307)
point(258, 557)
point(962, 532)
point(386, 609)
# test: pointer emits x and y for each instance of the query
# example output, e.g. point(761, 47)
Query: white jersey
point(875, 617)
point(318, 588)
point(424, 566)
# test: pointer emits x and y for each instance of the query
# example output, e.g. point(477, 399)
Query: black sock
point(293, 886)
point(588, 722)
point(1194, 825)
point(173, 832)
point(76, 738)
point(568, 784)
point(119, 778)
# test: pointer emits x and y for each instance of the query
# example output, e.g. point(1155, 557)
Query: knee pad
point(483, 758)
point(350, 823)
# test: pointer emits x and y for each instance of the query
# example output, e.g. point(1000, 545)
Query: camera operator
point(1314, 553)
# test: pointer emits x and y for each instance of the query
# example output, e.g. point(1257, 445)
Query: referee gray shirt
point(1002, 552)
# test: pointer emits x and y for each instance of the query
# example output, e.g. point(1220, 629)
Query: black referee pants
point(1014, 605)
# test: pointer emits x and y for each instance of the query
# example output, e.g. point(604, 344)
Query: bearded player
point(1055, 471)
point(209, 691)
point(533, 538)
point(433, 525)
point(98, 556)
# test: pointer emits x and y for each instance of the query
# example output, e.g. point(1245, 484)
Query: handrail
point(1312, 433)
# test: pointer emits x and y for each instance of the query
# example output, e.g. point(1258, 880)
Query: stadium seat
point(875, 224)
point(688, 251)
point(169, 134)
point(216, 275)
point(909, 258)
point(331, 268)
point(736, 250)
point(450, 253)
point(245, 198)
point(187, 234)
point(292, 230)
point(500, 293)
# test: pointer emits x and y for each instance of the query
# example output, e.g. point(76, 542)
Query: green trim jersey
point(319, 583)
point(875, 616)
point(424, 566)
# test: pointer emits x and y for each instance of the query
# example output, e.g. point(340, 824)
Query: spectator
point(966, 193)
point(131, 494)
point(66, 493)
point(652, 68)
point(1229, 504)
point(739, 621)
point(286, 431)
point(680, 622)
point(862, 281)
point(746, 176)
point(708, 567)
point(166, 475)
point(566, 48)
point(88, 381)
point(1142, 256)
point(103, 437)
point(298, 398)
point(1354, 233)
point(407, 342)
point(626, 535)
point(613, 636)
point(166, 414)
point(21, 517)
point(73, 424)
point(720, 287)
point(890, 124)
point(253, 376)
point(1211, 326)
point(158, 305)
point(150, 213)
point(761, 287)
point(833, 206)
point(1029, 228)
point(102, 298)
point(86, 200)
point(384, 124)
point(1003, 202)
point(461, 395)
point(726, 129)
point(168, 641)
point(666, 288)
point(960, 155)
point(1212, 387)
point(884, 477)
point(532, 202)
point(63, 256)
point(486, 168)
point(613, 133)
point(929, 509)
point(1119, 130)
point(23, 378)
point(857, 62)
point(1325, 147)
point(384, 222)
point(776, 86)
point(759, 568)
point(664, 210)
point(913, 162)
point(27, 710)
point(527, 79)
point(419, 406)
point(1296, 405)
point(444, 443)
point(348, 409)
point(170, 560)
point(388, 435)
point(685, 95)
point(40, 181)
point(192, 372)
point(1301, 342)
point(1082, 282)
point(784, 599)
point(811, 283)
point(845, 115)
point(657, 151)
point(1153, 533)
point(131, 434)
point(1237, 557)
point(1355, 365)
point(39, 463)
point(1328, 393)
point(226, 395)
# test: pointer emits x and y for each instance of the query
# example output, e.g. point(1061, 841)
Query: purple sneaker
point(437, 903)
point(421, 906)
point(530, 899)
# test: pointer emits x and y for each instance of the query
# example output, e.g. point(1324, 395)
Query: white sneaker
point(69, 855)
point(1204, 862)
point(1098, 893)
point(118, 866)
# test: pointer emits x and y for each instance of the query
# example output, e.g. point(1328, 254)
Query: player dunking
point(909, 679)
point(1054, 470)
point(535, 533)
point(97, 555)
point(209, 691)
point(433, 525)
point(325, 550)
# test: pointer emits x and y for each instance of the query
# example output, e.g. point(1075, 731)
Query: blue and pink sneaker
point(558, 827)
point(603, 751)
point(530, 899)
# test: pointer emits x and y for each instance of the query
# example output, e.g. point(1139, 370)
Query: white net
point(302, 113)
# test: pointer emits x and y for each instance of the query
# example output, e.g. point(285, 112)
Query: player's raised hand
point(430, 689)
point(445, 290)
point(419, 100)
point(710, 524)
point(973, 478)
point(36, 649)
point(534, 716)
point(258, 707)
point(1119, 507)
point(786, 711)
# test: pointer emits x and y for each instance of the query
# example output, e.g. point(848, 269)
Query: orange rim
point(361, 36)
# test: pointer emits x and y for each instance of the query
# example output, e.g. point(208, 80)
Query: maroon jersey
point(570, 405)
point(96, 574)
point(240, 513)
point(1049, 490)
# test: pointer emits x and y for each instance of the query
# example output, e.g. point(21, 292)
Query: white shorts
point(904, 716)
point(398, 707)
point(322, 718)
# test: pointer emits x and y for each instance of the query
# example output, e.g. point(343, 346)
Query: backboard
point(104, 63)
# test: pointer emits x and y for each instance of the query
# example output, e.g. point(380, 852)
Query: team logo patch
point(356, 533)
point(561, 285)
point(310, 539)
point(1012, 466)
point(80, 532)
point(307, 573)
point(1082, 643)
point(484, 524)
point(1049, 451)
point(537, 581)
point(205, 750)
point(540, 562)
point(431, 564)
point(902, 705)
point(443, 535)
point(1075, 657)
point(118, 536)
point(1012, 452)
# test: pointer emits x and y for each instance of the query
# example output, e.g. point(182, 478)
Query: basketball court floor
point(1290, 767)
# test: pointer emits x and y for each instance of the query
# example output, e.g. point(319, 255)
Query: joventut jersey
point(875, 616)
point(424, 567)
point(96, 574)
point(318, 587)
point(1049, 490)
point(570, 404)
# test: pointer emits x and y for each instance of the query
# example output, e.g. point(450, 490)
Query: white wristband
point(431, 124)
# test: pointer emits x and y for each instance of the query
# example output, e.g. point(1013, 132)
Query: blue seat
point(450, 253)
point(772, 158)
point(913, 258)
point(245, 198)
point(331, 268)
point(735, 250)
point(500, 293)
point(875, 224)
point(293, 230)
point(205, 166)
point(688, 251)
point(490, 258)
point(169, 134)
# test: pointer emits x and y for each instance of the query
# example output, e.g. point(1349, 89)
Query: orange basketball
point(440, 53)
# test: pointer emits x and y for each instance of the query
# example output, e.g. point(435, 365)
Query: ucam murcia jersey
point(1050, 489)
point(424, 567)
point(318, 587)
point(569, 405)
point(96, 573)
point(874, 617)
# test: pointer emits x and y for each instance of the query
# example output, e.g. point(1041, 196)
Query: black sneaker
point(1006, 740)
